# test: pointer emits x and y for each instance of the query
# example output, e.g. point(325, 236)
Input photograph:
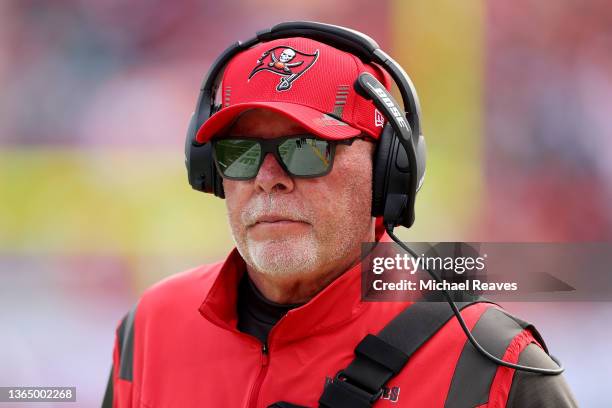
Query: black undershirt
point(257, 315)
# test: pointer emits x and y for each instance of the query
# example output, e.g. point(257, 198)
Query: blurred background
point(95, 98)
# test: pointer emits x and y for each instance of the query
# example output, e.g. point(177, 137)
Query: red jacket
point(179, 347)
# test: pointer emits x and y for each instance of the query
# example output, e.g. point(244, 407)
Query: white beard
point(286, 257)
point(292, 255)
point(296, 254)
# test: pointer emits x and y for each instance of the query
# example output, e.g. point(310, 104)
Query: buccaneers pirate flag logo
point(286, 62)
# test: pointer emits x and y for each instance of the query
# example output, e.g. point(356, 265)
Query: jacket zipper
point(265, 358)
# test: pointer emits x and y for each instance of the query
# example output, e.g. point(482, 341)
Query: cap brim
point(319, 123)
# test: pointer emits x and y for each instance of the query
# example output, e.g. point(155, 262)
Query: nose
point(272, 178)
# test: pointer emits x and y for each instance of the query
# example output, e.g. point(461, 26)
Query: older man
point(273, 323)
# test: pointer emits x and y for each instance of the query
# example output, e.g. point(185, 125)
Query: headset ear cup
point(188, 143)
point(380, 168)
point(219, 191)
point(213, 180)
point(201, 170)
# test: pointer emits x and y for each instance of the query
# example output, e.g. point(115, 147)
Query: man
point(276, 320)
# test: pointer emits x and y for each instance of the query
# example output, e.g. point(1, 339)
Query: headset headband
point(398, 172)
point(342, 38)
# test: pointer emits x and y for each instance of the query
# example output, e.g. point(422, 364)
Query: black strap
point(380, 357)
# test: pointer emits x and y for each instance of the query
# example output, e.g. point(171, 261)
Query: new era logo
point(379, 119)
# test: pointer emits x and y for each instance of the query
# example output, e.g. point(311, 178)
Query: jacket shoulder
point(178, 292)
point(195, 281)
point(477, 381)
point(181, 291)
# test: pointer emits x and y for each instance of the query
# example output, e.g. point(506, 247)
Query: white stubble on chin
point(292, 256)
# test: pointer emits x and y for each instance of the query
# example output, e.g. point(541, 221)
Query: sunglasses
point(302, 156)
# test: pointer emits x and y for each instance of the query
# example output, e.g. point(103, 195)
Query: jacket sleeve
point(119, 387)
point(534, 390)
point(107, 401)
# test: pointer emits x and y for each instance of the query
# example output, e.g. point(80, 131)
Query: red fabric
point(122, 389)
point(320, 84)
point(500, 388)
point(308, 118)
point(188, 352)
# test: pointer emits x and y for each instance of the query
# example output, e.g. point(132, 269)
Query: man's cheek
point(234, 216)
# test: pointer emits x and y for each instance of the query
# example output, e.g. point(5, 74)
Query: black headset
point(399, 159)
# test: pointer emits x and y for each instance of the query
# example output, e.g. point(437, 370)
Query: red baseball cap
point(305, 80)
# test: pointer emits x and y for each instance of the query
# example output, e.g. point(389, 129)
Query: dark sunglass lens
point(306, 156)
point(237, 158)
